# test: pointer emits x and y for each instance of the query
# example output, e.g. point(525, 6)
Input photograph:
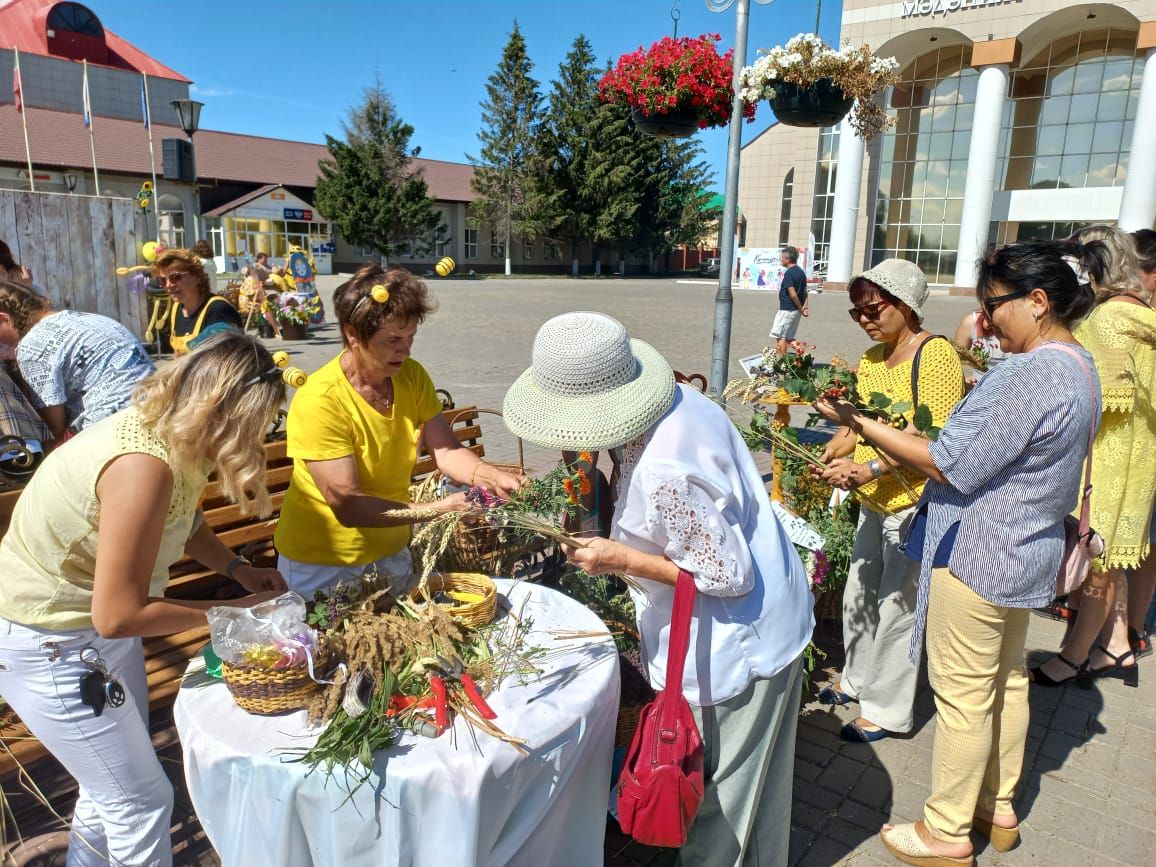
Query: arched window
point(1069, 120)
point(923, 163)
point(170, 220)
point(785, 212)
point(74, 18)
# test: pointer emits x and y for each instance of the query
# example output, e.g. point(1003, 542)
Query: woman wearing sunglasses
point(909, 365)
point(1003, 473)
point(196, 312)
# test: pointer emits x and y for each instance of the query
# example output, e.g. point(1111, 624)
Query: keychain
point(98, 687)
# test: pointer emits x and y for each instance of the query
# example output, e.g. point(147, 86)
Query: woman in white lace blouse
point(688, 496)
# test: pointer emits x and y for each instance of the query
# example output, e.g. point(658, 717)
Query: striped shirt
point(1013, 455)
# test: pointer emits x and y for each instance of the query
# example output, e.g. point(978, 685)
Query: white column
point(982, 155)
point(845, 208)
point(1138, 207)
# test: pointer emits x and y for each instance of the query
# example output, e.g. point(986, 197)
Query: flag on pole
point(144, 99)
point(16, 95)
point(18, 98)
point(91, 129)
point(87, 100)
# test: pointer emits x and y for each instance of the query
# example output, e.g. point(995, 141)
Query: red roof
point(22, 26)
point(59, 140)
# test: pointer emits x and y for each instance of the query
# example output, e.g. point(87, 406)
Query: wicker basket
point(271, 691)
point(628, 717)
point(472, 614)
point(829, 604)
point(482, 549)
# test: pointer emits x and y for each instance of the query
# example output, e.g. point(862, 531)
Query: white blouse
point(689, 490)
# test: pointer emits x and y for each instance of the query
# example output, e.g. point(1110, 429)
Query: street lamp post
point(189, 115)
point(724, 298)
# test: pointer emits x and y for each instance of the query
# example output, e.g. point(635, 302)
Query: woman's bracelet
point(233, 564)
point(474, 474)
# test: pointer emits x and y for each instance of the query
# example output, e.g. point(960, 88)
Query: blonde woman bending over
point(85, 563)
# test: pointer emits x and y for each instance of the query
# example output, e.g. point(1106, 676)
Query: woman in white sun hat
point(687, 496)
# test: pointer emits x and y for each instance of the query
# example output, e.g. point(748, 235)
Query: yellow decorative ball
point(445, 266)
point(281, 358)
point(149, 251)
point(294, 376)
point(379, 293)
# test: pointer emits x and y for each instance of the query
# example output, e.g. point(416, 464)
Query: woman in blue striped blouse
point(1003, 474)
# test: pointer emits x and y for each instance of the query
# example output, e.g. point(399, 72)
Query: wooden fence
point(73, 246)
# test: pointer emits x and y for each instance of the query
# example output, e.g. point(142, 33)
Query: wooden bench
point(166, 657)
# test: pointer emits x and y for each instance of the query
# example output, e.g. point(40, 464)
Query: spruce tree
point(615, 171)
point(566, 147)
point(506, 171)
point(674, 208)
point(369, 187)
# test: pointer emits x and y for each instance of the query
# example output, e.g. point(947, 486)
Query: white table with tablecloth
point(443, 801)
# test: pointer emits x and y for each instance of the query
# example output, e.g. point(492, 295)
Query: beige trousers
point(975, 661)
point(878, 616)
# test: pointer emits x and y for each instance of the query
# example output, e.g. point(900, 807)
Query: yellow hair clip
point(281, 358)
point(379, 294)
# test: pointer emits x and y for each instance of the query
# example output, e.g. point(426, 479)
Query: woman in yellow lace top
point(879, 600)
point(1120, 333)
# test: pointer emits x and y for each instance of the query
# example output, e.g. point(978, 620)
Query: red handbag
point(661, 786)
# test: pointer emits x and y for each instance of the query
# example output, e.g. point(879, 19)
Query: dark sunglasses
point(989, 304)
point(871, 311)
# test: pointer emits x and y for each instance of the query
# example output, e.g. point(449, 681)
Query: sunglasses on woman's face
point(991, 303)
point(173, 278)
point(871, 311)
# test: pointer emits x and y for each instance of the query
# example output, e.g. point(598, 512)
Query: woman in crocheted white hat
point(688, 496)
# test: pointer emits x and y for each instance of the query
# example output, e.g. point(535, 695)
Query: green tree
point(675, 207)
point(615, 172)
point(566, 148)
point(370, 188)
point(507, 171)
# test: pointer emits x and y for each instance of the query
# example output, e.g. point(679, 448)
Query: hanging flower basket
point(821, 104)
point(810, 84)
point(675, 87)
point(680, 123)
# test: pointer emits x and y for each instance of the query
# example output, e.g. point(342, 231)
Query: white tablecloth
point(430, 801)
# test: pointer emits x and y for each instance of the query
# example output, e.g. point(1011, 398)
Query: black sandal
point(1141, 641)
point(1130, 674)
point(1036, 673)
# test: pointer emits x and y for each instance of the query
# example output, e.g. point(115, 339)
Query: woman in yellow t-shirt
point(879, 600)
point(354, 432)
point(85, 563)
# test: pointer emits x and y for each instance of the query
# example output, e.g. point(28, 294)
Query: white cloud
point(211, 91)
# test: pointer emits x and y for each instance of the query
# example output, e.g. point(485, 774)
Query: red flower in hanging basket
point(675, 75)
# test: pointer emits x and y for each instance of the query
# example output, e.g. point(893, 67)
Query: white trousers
point(308, 578)
point(878, 616)
point(124, 810)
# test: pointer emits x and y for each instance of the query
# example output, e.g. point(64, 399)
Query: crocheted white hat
point(590, 386)
point(902, 279)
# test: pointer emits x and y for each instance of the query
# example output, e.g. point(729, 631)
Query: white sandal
point(904, 842)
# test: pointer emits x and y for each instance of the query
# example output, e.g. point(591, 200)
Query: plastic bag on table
point(271, 635)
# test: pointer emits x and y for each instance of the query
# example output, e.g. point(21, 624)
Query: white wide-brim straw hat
point(590, 386)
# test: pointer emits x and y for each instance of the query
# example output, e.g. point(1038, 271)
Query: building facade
point(1014, 120)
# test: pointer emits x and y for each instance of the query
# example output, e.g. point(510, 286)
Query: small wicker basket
point(272, 691)
point(472, 614)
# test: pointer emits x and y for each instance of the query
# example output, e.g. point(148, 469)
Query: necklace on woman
point(381, 397)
